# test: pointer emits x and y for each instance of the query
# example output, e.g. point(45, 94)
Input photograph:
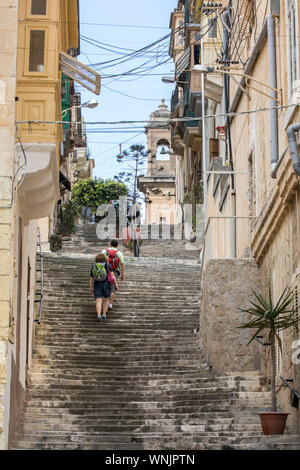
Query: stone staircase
point(137, 380)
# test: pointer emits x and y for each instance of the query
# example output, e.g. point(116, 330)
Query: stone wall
point(8, 36)
point(226, 287)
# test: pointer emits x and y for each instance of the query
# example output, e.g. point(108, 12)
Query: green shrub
point(67, 218)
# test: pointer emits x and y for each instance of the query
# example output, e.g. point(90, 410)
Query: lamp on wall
point(89, 104)
point(167, 79)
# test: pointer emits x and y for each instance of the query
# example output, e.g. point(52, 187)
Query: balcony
point(39, 187)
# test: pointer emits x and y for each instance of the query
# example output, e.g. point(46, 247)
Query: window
point(37, 51)
point(292, 44)
point(63, 90)
point(213, 27)
point(38, 7)
point(181, 34)
point(197, 54)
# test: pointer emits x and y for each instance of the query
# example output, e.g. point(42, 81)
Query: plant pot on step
point(272, 317)
point(273, 422)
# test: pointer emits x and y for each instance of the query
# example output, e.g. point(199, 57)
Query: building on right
point(246, 84)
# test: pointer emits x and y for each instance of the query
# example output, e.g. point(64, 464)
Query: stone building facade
point(248, 162)
point(34, 36)
point(8, 59)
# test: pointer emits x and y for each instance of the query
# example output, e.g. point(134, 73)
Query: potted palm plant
point(274, 318)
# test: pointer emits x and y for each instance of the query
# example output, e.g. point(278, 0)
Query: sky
point(97, 18)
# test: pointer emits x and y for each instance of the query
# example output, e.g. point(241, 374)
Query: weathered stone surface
point(227, 287)
point(4, 288)
point(5, 236)
point(5, 189)
point(5, 266)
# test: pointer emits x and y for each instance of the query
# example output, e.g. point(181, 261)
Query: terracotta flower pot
point(273, 422)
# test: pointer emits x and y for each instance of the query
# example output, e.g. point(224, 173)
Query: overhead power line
point(111, 47)
point(133, 54)
point(163, 121)
point(125, 25)
point(129, 96)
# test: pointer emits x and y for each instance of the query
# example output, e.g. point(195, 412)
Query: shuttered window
point(38, 7)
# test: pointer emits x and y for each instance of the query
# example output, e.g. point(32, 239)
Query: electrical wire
point(111, 47)
point(145, 70)
point(123, 55)
point(129, 96)
point(124, 25)
point(121, 143)
point(135, 53)
point(165, 121)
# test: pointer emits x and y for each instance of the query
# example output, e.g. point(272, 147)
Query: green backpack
point(99, 272)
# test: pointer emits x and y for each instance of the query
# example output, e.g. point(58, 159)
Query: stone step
point(68, 379)
point(117, 363)
point(73, 406)
point(62, 386)
point(111, 390)
point(174, 440)
point(110, 342)
point(155, 379)
point(25, 445)
point(142, 436)
point(208, 431)
point(206, 419)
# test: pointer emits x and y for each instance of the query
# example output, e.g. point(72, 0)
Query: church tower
point(159, 183)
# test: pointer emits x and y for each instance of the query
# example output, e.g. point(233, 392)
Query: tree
point(134, 159)
point(94, 192)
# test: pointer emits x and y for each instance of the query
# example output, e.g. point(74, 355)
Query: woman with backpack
point(101, 280)
point(116, 262)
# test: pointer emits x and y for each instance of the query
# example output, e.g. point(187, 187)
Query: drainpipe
point(273, 102)
point(226, 39)
point(291, 132)
point(204, 158)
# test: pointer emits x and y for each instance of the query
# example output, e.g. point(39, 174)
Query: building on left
point(43, 151)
